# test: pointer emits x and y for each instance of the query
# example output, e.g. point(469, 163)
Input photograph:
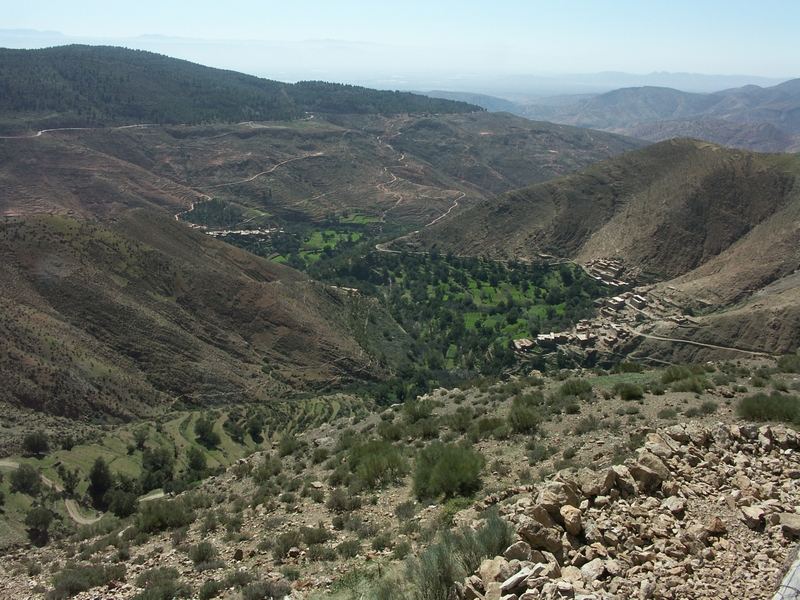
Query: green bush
point(210, 589)
point(341, 501)
point(447, 470)
point(523, 417)
point(26, 480)
point(204, 556)
point(36, 443)
point(161, 583)
point(580, 388)
point(377, 462)
point(348, 548)
point(73, 579)
point(285, 542)
point(160, 515)
point(772, 407)
point(695, 385)
point(789, 363)
point(417, 410)
point(629, 391)
point(677, 372)
point(204, 431)
point(315, 535)
point(667, 413)
point(265, 590)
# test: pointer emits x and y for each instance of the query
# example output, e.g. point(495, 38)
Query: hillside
point(717, 224)
point(603, 484)
point(144, 308)
point(764, 119)
point(125, 318)
point(76, 86)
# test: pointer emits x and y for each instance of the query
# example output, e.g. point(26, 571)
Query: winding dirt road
point(41, 132)
point(72, 507)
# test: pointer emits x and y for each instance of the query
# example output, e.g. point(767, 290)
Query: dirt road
point(693, 343)
point(72, 507)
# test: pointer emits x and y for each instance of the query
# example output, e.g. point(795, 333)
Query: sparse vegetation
point(447, 470)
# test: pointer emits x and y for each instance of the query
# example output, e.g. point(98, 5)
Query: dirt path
point(72, 507)
point(75, 514)
point(693, 343)
point(267, 172)
point(41, 132)
point(207, 198)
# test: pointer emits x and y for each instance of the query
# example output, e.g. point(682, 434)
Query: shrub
point(447, 470)
point(678, 372)
point(121, 503)
point(288, 445)
point(348, 548)
point(587, 424)
point(382, 541)
point(160, 515)
point(405, 510)
point(157, 468)
point(434, 572)
point(696, 385)
point(38, 522)
point(203, 555)
point(709, 407)
point(26, 480)
point(36, 443)
point(377, 462)
point(204, 430)
point(772, 407)
point(285, 542)
point(315, 535)
point(667, 413)
point(161, 583)
point(265, 590)
point(401, 550)
point(629, 391)
point(523, 417)
point(580, 388)
point(340, 501)
point(416, 410)
point(210, 589)
point(73, 579)
point(789, 363)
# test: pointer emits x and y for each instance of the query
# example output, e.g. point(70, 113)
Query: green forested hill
point(102, 85)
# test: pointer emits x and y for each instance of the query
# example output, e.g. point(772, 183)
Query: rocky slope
point(700, 513)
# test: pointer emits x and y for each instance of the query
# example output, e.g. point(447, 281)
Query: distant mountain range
point(765, 119)
point(102, 85)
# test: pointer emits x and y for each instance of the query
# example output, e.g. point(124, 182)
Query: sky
point(411, 40)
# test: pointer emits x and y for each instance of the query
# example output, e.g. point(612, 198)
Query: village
point(618, 318)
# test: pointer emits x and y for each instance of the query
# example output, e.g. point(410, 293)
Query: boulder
point(753, 516)
point(519, 550)
point(593, 570)
point(571, 517)
point(625, 482)
point(591, 483)
point(675, 505)
point(790, 524)
point(542, 538)
point(494, 569)
point(556, 494)
point(515, 581)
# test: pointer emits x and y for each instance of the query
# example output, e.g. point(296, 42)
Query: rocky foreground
point(699, 513)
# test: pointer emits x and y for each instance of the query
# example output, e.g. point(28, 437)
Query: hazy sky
point(755, 37)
